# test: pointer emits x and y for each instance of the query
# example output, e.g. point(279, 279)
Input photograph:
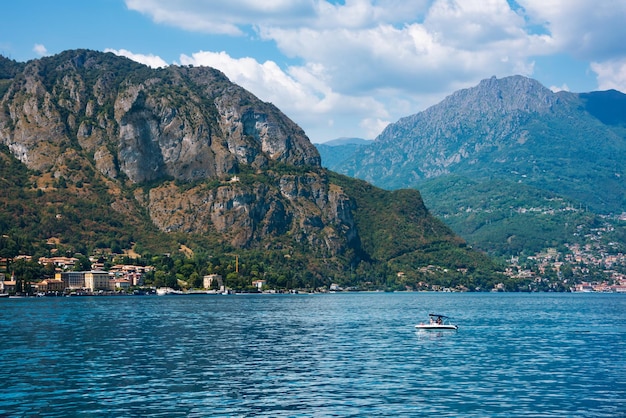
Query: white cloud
point(40, 50)
point(373, 126)
point(611, 74)
point(474, 25)
point(414, 59)
point(300, 92)
point(370, 45)
point(359, 14)
point(266, 79)
point(224, 17)
point(362, 63)
point(557, 89)
point(589, 30)
point(149, 60)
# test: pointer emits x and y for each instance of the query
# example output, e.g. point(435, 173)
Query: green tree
point(26, 273)
point(49, 270)
point(195, 280)
point(159, 278)
point(170, 281)
point(83, 264)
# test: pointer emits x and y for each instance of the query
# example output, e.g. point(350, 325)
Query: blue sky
point(341, 68)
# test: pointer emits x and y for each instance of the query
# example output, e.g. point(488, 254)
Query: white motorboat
point(437, 323)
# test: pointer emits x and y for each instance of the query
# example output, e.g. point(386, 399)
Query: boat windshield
point(437, 319)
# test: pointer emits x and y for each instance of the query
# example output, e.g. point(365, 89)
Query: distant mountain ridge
point(510, 165)
point(513, 128)
point(346, 141)
point(338, 150)
point(608, 106)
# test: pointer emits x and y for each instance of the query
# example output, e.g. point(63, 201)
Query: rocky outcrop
point(304, 207)
point(178, 122)
point(183, 135)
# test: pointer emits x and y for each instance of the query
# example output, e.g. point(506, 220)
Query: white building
point(97, 280)
point(207, 281)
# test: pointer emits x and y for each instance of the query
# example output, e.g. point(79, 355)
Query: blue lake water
point(549, 355)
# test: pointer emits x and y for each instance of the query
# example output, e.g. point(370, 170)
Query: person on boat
point(439, 321)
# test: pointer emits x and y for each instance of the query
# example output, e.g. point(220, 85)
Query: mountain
point(346, 141)
point(101, 152)
point(512, 128)
point(336, 151)
point(504, 134)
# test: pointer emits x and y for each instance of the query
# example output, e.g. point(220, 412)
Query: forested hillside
point(102, 155)
point(511, 166)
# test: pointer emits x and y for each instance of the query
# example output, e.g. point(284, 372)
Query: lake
point(343, 354)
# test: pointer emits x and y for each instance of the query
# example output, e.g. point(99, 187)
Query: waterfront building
point(97, 280)
point(92, 280)
point(50, 285)
point(123, 284)
point(72, 279)
point(7, 286)
point(207, 281)
point(259, 284)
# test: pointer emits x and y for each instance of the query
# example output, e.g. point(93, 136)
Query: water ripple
point(314, 355)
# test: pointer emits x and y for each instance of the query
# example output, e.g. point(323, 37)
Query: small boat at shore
point(437, 323)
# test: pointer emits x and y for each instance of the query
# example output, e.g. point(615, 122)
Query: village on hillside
point(582, 269)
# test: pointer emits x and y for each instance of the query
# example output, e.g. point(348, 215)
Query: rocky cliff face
point(82, 115)
point(185, 123)
point(305, 208)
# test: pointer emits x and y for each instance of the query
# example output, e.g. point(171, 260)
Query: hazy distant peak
point(347, 141)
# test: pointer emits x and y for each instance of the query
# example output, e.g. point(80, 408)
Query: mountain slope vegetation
point(511, 128)
point(101, 154)
point(506, 147)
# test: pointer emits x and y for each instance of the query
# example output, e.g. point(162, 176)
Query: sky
point(341, 68)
